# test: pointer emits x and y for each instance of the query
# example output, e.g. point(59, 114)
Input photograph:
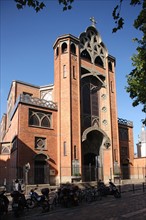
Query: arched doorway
point(41, 169)
point(89, 166)
point(93, 142)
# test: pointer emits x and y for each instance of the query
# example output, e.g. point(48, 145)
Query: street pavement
point(131, 206)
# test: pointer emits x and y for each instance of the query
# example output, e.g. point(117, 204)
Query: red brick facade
point(69, 128)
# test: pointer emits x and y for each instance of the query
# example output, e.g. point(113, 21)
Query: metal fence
point(133, 172)
point(46, 175)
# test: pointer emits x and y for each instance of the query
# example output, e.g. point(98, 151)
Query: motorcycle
point(113, 190)
point(18, 203)
point(4, 202)
point(108, 190)
point(102, 188)
point(36, 200)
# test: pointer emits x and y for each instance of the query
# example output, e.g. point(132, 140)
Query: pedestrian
point(19, 193)
point(17, 185)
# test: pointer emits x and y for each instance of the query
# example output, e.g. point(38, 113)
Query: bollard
point(143, 187)
point(120, 188)
point(133, 188)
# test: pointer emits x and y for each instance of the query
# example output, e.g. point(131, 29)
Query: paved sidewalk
point(132, 206)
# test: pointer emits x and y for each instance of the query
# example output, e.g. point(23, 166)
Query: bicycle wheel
point(89, 198)
point(117, 194)
point(46, 206)
point(30, 203)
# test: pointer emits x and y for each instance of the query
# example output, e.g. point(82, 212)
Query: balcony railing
point(125, 122)
point(27, 99)
point(38, 102)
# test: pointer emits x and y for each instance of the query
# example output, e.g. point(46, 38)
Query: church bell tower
point(67, 95)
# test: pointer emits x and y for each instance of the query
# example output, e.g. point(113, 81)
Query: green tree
point(136, 79)
point(39, 5)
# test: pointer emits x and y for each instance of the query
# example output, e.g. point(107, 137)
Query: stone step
point(132, 181)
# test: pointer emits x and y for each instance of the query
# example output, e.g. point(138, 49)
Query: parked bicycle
point(68, 195)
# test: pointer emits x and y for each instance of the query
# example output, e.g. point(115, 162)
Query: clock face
point(48, 96)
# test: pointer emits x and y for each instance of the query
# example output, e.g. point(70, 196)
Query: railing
point(27, 99)
point(88, 174)
point(125, 122)
point(38, 102)
point(125, 188)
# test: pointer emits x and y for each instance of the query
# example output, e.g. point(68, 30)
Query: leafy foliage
point(137, 78)
point(66, 4)
point(119, 21)
point(37, 5)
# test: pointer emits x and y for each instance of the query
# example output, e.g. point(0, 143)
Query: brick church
point(70, 128)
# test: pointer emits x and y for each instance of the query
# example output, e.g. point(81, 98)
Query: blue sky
point(27, 40)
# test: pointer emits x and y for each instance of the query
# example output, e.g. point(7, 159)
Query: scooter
point(113, 190)
point(36, 200)
point(108, 190)
point(102, 189)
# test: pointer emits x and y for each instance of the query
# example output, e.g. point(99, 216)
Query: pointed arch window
point(34, 120)
point(45, 122)
point(98, 61)
point(95, 40)
point(86, 55)
point(40, 119)
point(101, 51)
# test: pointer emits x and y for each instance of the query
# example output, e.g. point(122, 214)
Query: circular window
point(104, 109)
point(104, 122)
point(103, 96)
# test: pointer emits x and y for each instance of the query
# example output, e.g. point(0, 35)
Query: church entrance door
point(40, 169)
point(92, 156)
point(39, 172)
